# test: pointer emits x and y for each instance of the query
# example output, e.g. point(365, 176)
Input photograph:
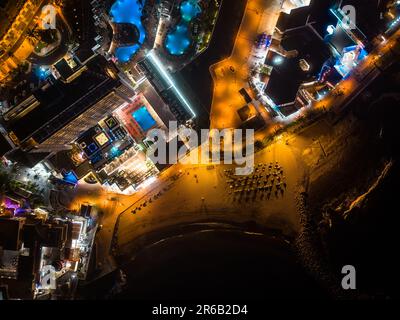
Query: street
point(232, 74)
point(192, 193)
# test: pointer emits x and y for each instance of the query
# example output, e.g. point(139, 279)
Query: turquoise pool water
point(190, 9)
point(178, 41)
point(129, 11)
point(144, 118)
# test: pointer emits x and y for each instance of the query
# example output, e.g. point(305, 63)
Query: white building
point(289, 5)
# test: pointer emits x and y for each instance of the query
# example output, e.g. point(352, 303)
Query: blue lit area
point(115, 152)
point(396, 19)
point(144, 119)
point(129, 11)
point(322, 94)
point(349, 59)
point(189, 10)
point(124, 54)
point(178, 41)
point(348, 49)
point(278, 60)
point(42, 72)
point(394, 23)
point(70, 178)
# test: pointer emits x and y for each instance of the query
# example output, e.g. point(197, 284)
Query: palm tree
point(33, 36)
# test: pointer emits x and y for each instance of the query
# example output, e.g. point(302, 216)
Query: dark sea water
point(369, 239)
point(218, 264)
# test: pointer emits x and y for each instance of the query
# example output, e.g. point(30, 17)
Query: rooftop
point(340, 40)
point(61, 102)
point(287, 74)
point(9, 234)
point(4, 146)
point(79, 14)
point(368, 16)
point(64, 69)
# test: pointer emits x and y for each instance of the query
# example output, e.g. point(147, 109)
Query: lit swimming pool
point(144, 118)
point(129, 11)
point(190, 9)
point(178, 41)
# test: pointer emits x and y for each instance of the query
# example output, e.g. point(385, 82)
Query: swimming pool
point(144, 118)
point(129, 11)
point(190, 9)
point(178, 41)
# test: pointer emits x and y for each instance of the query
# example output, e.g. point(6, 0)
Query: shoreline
point(152, 238)
point(280, 254)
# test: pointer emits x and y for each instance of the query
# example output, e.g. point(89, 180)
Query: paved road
point(231, 75)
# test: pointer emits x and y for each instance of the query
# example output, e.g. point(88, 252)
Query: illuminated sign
point(102, 139)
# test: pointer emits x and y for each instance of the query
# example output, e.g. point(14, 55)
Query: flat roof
point(27, 159)
point(368, 16)
point(80, 15)
point(286, 75)
point(296, 18)
point(64, 69)
point(9, 234)
point(340, 40)
point(62, 102)
point(4, 146)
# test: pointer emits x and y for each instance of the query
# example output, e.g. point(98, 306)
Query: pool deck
point(130, 123)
